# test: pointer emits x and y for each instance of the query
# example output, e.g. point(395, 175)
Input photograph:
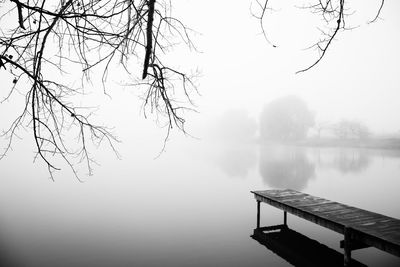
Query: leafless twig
point(90, 35)
point(332, 12)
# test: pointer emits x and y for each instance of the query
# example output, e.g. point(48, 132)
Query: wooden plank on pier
point(367, 227)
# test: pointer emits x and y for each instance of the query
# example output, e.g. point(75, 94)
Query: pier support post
point(285, 218)
point(347, 246)
point(258, 214)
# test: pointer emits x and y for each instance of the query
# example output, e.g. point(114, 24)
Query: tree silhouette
point(348, 129)
point(286, 119)
point(39, 38)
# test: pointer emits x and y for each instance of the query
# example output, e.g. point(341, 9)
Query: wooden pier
point(361, 228)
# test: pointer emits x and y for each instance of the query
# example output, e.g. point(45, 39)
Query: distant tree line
point(290, 119)
point(38, 39)
point(350, 129)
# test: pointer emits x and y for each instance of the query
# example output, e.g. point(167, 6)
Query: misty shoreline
point(371, 143)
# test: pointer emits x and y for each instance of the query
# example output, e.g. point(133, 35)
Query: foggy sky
point(358, 79)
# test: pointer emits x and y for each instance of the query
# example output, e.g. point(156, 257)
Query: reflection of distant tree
point(348, 161)
point(344, 160)
point(285, 167)
point(236, 161)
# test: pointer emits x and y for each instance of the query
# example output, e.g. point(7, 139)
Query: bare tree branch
point(91, 35)
point(379, 12)
point(20, 17)
point(333, 14)
point(149, 37)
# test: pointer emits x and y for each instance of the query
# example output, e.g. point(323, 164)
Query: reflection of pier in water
point(298, 249)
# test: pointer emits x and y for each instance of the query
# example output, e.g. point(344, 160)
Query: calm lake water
point(190, 207)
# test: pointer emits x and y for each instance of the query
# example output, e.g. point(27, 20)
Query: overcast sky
point(358, 79)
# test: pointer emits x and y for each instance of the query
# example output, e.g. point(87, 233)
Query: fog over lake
point(191, 207)
point(188, 203)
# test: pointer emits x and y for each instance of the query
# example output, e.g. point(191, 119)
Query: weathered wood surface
point(367, 227)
